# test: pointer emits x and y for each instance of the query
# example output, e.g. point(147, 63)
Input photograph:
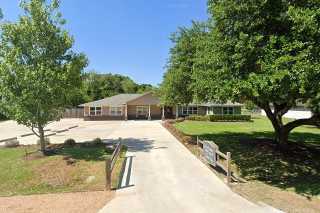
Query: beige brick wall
point(86, 110)
point(105, 110)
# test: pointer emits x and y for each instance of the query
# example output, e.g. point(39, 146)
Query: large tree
point(176, 86)
point(265, 51)
point(38, 70)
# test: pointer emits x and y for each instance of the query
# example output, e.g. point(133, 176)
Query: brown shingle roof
point(116, 100)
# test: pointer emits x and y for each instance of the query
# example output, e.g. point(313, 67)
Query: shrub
point(3, 117)
point(215, 118)
point(46, 141)
point(198, 118)
point(70, 142)
point(97, 141)
point(229, 118)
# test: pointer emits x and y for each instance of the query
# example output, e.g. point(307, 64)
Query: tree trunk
point(282, 137)
point(281, 130)
point(42, 140)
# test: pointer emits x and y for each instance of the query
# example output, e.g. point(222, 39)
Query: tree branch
point(281, 109)
point(32, 128)
point(271, 115)
point(313, 121)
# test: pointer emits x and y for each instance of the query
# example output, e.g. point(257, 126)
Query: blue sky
point(129, 37)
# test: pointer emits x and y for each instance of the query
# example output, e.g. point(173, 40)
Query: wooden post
point(108, 173)
point(228, 167)
point(149, 116)
point(198, 147)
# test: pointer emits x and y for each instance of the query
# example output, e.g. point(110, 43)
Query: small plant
point(46, 141)
point(97, 141)
point(109, 149)
point(69, 142)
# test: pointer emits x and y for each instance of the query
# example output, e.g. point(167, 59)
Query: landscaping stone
point(11, 143)
point(90, 179)
point(71, 161)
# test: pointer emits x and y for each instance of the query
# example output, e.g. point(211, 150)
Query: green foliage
point(229, 118)
point(69, 142)
point(97, 141)
point(198, 118)
point(215, 118)
point(265, 51)
point(39, 73)
point(2, 117)
point(176, 86)
point(249, 105)
point(262, 51)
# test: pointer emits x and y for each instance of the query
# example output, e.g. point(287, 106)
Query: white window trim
point(95, 111)
point(227, 110)
point(185, 108)
point(112, 112)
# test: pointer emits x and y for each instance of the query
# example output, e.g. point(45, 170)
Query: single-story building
point(147, 106)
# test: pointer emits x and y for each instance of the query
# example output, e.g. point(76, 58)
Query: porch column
point(126, 112)
point(163, 116)
point(149, 117)
point(177, 111)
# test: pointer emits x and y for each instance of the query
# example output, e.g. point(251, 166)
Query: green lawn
point(52, 174)
point(256, 158)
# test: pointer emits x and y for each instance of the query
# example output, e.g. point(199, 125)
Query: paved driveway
point(167, 178)
point(85, 130)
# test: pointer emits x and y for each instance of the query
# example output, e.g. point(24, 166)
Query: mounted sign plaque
point(209, 152)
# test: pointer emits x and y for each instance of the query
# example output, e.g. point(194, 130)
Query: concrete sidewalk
point(168, 178)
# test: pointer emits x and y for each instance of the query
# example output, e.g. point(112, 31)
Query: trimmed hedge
point(2, 117)
point(70, 142)
point(215, 118)
point(198, 118)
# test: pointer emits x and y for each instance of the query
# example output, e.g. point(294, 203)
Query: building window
point(209, 110)
point(95, 111)
point(228, 110)
point(191, 110)
point(184, 110)
point(115, 111)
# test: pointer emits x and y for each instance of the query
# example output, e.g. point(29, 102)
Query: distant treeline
point(97, 86)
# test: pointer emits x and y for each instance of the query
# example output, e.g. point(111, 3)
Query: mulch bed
point(185, 139)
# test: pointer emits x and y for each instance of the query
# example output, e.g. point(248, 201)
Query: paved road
point(167, 178)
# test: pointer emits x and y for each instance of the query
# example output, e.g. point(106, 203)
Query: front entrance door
point(142, 112)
